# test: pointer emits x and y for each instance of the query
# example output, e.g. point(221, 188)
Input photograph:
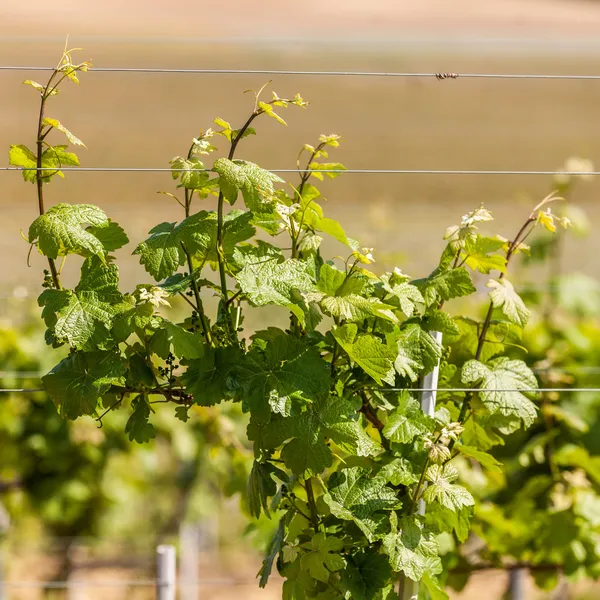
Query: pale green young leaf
point(508, 386)
point(417, 351)
point(445, 284)
point(478, 254)
point(268, 110)
point(487, 461)
point(256, 184)
point(22, 156)
point(323, 556)
point(39, 87)
point(60, 127)
point(78, 381)
point(405, 422)
point(61, 230)
point(368, 352)
point(331, 170)
point(504, 296)
point(442, 490)
point(190, 171)
point(411, 549)
point(408, 296)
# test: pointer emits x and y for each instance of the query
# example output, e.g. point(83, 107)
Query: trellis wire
point(321, 171)
point(438, 76)
point(406, 389)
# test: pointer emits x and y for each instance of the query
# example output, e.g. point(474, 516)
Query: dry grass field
point(142, 120)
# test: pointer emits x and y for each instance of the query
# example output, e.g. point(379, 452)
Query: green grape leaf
point(112, 236)
point(398, 472)
point(438, 320)
point(417, 350)
point(141, 371)
point(443, 491)
point(504, 296)
point(477, 254)
point(58, 125)
point(272, 282)
point(22, 156)
point(170, 337)
point(354, 495)
point(405, 422)
point(478, 435)
point(487, 461)
point(130, 317)
point(78, 381)
point(84, 319)
point(407, 295)
point(261, 486)
point(368, 352)
point(274, 549)
point(210, 379)
point(332, 419)
point(272, 377)
point(366, 574)
point(163, 253)
point(445, 284)
point(55, 157)
point(60, 230)
point(504, 374)
point(100, 278)
point(256, 184)
point(323, 556)
point(331, 170)
point(182, 413)
point(190, 172)
point(412, 550)
point(436, 592)
point(138, 426)
point(340, 297)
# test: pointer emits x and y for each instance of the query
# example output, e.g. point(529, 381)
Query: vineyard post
point(409, 589)
point(166, 572)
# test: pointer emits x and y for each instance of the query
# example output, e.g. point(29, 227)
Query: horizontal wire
point(19, 375)
point(406, 389)
point(81, 583)
point(501, 390)
point(57, 585)
point(438, 76)
point(322, 171)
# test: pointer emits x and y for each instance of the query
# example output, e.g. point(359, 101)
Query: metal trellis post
point(166, 572)
point(409, 588)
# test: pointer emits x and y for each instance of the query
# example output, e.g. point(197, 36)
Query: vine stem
point(521, 236)
point(38, 174)
point(220, 228)
point(310, 496)
point(194, 283)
